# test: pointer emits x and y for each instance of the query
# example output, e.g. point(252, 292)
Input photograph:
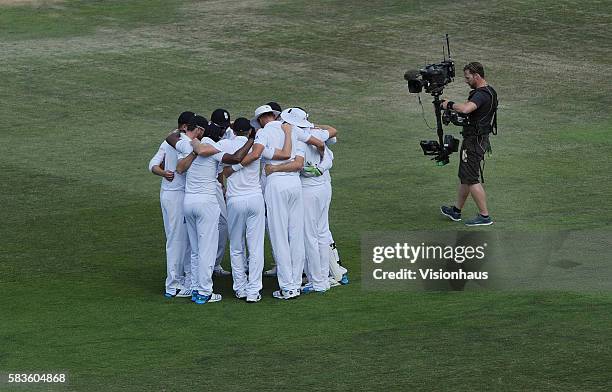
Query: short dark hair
point(475, 68)
point(242, 126)
point(275, 106)
point(197, 121)
point(185, 118)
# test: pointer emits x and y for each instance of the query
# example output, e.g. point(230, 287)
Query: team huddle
point(235, 180)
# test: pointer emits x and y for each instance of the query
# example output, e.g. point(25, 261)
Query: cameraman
point(480, 108)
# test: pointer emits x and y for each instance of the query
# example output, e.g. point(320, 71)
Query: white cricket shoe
point(203, 299)
point(286, 294)
point(309, 288)
point(253, 298)
point(180, 292)
point(333, 282)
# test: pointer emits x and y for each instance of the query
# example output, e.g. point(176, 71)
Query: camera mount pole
point(438, 110)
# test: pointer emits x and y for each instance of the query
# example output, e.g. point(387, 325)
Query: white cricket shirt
point(244, 182)
point(272, 136)
point(202, 174)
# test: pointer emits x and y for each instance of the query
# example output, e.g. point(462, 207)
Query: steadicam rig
point(433, 78)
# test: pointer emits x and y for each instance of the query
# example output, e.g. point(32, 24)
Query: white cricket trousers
point(246, 219)
point(316, 239)
point(178, 252)
point(285, 210)
point(202, 216)
point(223, 234)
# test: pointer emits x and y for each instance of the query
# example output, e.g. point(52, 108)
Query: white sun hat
point(297, 117)
point(262, 110)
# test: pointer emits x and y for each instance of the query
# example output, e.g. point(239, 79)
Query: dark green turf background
point(88, 89)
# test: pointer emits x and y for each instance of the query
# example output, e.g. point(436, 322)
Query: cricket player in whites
point(221, 118)
point(315, 175)
point(171, 195)
point(245, 218)
point(200, 160)
point(246, 214)
point(283, 197)
point(317, 197)
point(338, 275)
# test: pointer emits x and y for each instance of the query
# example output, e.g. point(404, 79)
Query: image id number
point(36, 378)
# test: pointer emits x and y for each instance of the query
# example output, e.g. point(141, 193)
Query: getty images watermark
point(487, 259)
point(407, 253)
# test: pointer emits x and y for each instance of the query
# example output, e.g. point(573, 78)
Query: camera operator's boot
point(480, 220)
point(451, 212)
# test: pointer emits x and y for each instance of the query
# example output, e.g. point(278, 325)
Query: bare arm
point(173, 138)
point(239, 155)
point(465, 108)
point(207, 150)
point(296, 165)
point(253, 155)
point(228, 171)
point(221, 181)
point(159, 170)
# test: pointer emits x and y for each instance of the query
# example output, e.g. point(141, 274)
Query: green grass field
point(89, 89)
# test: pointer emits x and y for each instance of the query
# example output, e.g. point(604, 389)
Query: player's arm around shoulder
point(331, 131)
point(204, 149)
point(173, 138)
point(241, 153)
point(319, 135)
point(285, 152)
point(229, 147)
point(184, 164)
point(185, 154)
point(295, 165)
point(254, 155)
point(260, 141)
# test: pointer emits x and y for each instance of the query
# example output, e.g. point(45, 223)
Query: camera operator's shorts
point(471, 155)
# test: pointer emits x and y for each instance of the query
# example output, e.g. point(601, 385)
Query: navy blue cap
point(220, 117)
point(214, 131)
